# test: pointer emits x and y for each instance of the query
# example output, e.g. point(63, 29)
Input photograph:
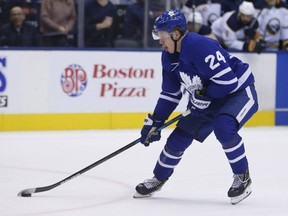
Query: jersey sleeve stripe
point(243, 79)
point(174, 94)
point(164, 97)
point(228, 82)
point(221, 73)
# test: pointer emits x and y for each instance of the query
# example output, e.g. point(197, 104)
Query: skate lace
point(239, 180)
point(151, 183)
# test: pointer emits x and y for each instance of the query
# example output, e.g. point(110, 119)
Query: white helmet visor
point(157, 35)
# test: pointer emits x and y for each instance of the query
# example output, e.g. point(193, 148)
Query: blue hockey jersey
point(202, 64)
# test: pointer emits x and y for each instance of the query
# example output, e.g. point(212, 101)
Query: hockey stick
point(30, 191)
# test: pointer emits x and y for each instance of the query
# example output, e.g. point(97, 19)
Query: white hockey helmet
point(247, 8)
point(196, 17)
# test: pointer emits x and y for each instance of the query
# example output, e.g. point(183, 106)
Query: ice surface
point(198, 186)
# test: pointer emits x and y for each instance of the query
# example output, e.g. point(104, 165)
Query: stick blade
point(26, 192)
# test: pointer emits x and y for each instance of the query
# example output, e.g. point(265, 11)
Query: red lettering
point(115, 91)
point(104, 88)
point(73, 78)
point(101, 71)
point(112, 73)
point(121, 92)
point(68, 83)
point(141, 92)
point(80, 75)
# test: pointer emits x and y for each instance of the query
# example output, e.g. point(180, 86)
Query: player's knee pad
point(179, 140)
point(225, 129)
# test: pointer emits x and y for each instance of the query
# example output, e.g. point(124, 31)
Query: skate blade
point(137, 195)
point(235, 200)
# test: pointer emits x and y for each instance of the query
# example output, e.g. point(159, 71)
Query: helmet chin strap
point(175, 42)
point(175, 45)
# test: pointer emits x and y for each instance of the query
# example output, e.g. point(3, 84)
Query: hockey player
point(237, 30)
point(209, 9)
point(195, 24)
point(222, 99)
point(273, 25)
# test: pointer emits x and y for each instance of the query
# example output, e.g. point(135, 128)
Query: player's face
point(245, 19)
point(167, 44)
point(166, 41)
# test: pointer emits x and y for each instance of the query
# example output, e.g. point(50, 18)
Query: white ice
point(198, 186)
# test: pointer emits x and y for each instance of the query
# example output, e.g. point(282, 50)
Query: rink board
point(85, 89)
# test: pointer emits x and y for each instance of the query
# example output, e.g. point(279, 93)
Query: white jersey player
point(210, 11)
point(195, 24)
point(237, 30)
point(273, 26)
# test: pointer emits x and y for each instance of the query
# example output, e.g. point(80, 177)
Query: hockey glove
point(199, 102)
point(254, 46)
point(250, 33)
point(149, 131)
point(285, 45)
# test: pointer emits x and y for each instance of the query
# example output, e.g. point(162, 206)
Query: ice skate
point(148, 188)
point(240, 188)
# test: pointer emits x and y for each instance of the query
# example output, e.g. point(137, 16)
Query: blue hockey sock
point(225, 129)
point(172, 153)
point(236, 156)
point(166, 163)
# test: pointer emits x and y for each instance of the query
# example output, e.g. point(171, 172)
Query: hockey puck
point(25, 194)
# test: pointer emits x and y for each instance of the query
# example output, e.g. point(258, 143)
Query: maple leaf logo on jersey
point(171, 13)
point(191, 84)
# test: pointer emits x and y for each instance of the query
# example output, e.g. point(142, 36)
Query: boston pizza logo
point(74, 80)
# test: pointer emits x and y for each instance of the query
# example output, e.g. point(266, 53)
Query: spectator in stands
point(195, 24)
point(273, 20)
point(237, 30)
point(135, 17)
point(6, 6)
point(260, 4)
point(133, 22)
point(99, 15)
point(18, 32)
point(57, 18)
point(26, 5)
